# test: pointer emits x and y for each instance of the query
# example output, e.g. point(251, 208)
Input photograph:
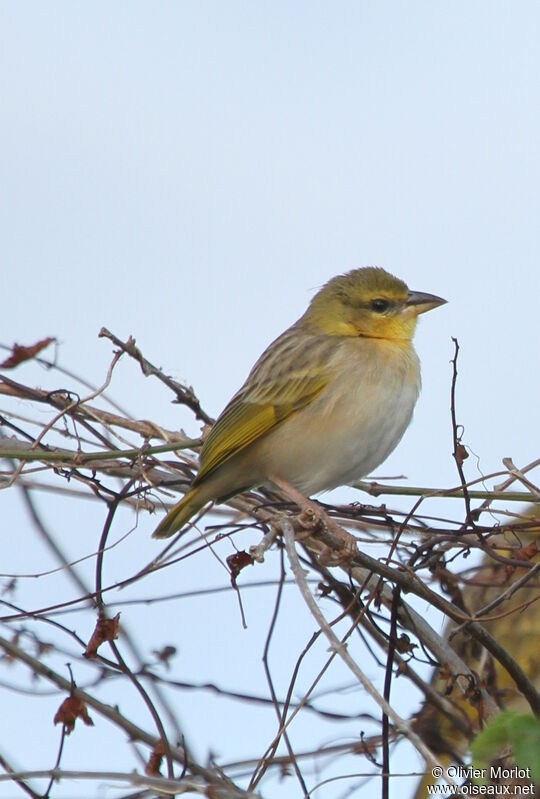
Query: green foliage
point(519, 730)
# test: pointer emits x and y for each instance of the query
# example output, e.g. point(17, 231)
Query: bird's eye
point(380, 305)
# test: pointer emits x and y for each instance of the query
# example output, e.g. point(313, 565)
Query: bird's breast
point(354, 424)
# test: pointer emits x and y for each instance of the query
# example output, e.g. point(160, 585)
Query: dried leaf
point(9, 587)
point(324, 589)
point(444, 671)
point(402, 668)
point(70, 710)
point(105, 630)
point(165, 654)
point(237, 562)
point(460, 454)
point(528, 552)
point(7, 656)
point(472, 692)
point(21, 353)
point(154, 763)
point(43, 648)
point(449, 678)
point(403, 644)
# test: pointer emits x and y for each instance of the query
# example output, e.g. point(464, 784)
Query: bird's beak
point(419, 302)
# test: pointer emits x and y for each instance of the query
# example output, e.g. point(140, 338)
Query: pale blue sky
point(189, 173)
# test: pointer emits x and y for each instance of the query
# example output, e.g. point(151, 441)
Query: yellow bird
point(515, 623)
point(325, 404)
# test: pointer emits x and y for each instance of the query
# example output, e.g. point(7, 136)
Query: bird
point(326, 402)
point(515, 624)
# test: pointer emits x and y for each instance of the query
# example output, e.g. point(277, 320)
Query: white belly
point(335, 443)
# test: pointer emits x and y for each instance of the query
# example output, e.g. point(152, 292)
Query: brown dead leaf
point(524, 553)
point(165, 654)
point(403, 644)
point(472, 691)
point(403, 668)
point(446, 674)
point(152, 768)
point(7, 656)
point(324, 589)
point(70, 710)
point(460, 454)
point(21, 353)
point(105, 630)
point(42, 648)
point(237, 562)
point(9, 587)
point(528, 552)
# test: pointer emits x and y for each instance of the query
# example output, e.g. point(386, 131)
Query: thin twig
point(460, 452)
point(158, 784)
point(337, 646)
point(392, 637)
point(380, 489)
point(184, 395)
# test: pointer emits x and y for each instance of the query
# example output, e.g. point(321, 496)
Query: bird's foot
point(313, 520)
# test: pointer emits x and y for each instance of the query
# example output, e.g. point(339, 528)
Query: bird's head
point(367, 302)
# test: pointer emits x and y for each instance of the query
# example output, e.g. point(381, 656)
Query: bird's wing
point(253, 412)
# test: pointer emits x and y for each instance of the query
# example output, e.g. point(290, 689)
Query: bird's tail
point(180, 514)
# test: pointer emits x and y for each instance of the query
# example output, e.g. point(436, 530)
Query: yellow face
point(368, 302)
